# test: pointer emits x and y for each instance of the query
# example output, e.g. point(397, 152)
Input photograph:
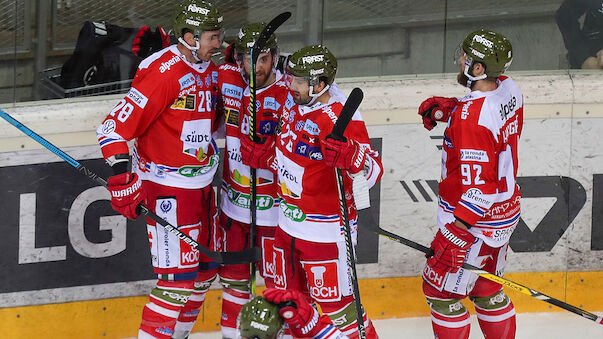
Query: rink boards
point(71, 267)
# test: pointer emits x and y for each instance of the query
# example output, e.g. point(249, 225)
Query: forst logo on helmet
point(310, 59)
point(197, 9)
point(483, 41)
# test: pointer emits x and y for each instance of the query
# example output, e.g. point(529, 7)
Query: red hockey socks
point(235, 294)
point(159, 316)
point(451, 327)
point(497, 321)
point(190, 311)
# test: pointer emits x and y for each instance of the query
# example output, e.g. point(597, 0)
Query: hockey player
point(309, 247)
point(169, 112)
point(263, 317)
point(478, 194)
point(235, 217)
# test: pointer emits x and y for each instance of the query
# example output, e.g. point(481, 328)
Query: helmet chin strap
point(470, 77)
point(191, 48)
point(317, 95)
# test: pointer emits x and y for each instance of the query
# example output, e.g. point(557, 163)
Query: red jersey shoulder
point(331, 112)
point(470, 110)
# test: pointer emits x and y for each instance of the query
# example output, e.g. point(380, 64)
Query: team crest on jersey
point(214, 77)
point(299, 125)
point(232, 117)
point(207, 81)
point(184, 103)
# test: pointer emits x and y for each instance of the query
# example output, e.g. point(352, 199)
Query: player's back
point(480, 161)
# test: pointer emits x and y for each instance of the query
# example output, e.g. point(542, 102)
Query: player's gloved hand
point(348, 155)
point(147, 42)
point(436, 109)
point(256, 155)
point(303, 319)
point(450, 246)
point(126, 194)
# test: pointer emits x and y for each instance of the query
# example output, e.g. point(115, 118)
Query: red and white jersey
point(236, 176)
point(309, 207)
point(170, 111)
point(479, 163)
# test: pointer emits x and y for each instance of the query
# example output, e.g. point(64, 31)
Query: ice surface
point(562, 325)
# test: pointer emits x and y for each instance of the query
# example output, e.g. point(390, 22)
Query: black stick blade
point(245, 256)
point(347, 112)
point(270, 28)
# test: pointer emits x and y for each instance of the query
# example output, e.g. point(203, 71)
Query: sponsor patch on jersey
point(292, 212)
point(186, 81)
point(108, 127)
point(323, 280)
point(474, 155)
point(189, 256)
point(232, 91)
point(214, 77)
point(196, 137)
point(314, 153)
point(278, 258)
point(267, 244)
point(311, 127)
point(230, 102)
point(302, 148)
point(271, 103)
point(465, 110)
point(138, 98)
point(208, 81)
point(185, 103)
point(289, 102)
point(267, 127)
point(329, 112)
point(477, 197)
point(232, 117)
point(435, 278)
point(229, 67)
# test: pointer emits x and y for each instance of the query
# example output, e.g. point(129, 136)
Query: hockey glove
point(303, 319)
point(450, 246)
point(347, 155)
point(256, 155)
point(147, 42)
point(126, 194)
point(436, 109)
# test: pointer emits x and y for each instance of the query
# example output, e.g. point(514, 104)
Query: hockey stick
point(347, 112)
point(372, 226)
point(226, 258)
point(255, 53)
